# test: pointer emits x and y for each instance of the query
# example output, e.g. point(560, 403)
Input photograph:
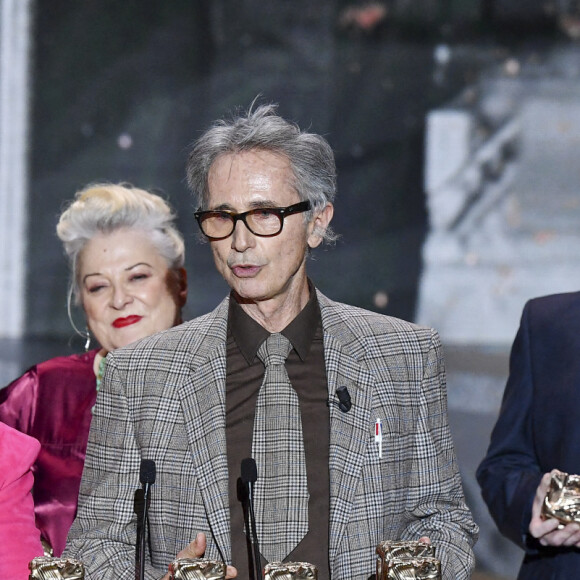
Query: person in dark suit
point(189, 399)
point(537, 432)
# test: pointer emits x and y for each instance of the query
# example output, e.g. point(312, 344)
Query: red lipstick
point(127, 321)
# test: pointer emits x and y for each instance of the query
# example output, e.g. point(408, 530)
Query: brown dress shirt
point(306, 369)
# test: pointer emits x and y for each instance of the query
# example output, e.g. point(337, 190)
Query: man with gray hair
point(343, 410)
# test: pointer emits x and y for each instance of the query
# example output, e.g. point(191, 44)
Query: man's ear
point(319, 224)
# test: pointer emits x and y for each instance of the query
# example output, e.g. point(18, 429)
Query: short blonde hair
point(108, 207)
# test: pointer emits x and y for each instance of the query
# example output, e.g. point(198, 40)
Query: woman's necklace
point(101, 372)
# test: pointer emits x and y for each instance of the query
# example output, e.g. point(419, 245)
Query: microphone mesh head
point(147, 472)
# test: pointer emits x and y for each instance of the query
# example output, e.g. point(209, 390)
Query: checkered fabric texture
point(281, 491)
point(163, 398)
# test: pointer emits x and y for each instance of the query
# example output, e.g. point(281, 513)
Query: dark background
point(121, 89)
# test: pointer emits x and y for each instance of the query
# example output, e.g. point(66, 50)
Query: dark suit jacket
point(538, 428)
point(164, 399)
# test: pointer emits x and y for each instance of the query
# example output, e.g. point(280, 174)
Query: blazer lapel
point(349, 434)
point(203, 404)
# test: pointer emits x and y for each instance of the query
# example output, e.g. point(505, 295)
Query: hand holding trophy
point(562, 500)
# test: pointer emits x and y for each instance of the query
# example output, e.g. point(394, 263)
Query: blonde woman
point(126, 260)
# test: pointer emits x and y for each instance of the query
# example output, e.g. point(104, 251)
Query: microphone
point(249, 477)
point(147, 473)
point(344, 399)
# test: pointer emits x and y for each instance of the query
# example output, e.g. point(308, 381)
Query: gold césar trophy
point(197, 568)
point(201, 568)
point(290, 571)
point(562, 501)
point(49, 568)
point(407, 560)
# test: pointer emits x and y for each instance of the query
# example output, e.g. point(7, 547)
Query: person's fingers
point(541, 494)
point(567, 535)
point(195, 549)
point(572, 535)
point(540, 527)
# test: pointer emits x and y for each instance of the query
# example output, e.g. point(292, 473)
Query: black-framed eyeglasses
point(263, 221)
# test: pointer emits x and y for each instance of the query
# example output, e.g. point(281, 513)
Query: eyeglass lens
point(261, 222)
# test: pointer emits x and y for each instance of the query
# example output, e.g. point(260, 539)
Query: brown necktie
point(281, 491)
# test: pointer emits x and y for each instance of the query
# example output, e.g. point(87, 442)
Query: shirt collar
point(249, 335)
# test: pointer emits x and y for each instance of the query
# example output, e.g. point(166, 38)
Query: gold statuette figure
point(388, 550)
point(48, 568)
point(290, 571)
point(562, 501)
point(407, 559)
point(197, 569)
point(414, 569)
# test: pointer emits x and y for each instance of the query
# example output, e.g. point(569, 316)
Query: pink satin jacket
point(19, 537)
point(52, 402)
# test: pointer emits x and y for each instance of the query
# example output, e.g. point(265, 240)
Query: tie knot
point(274, 350)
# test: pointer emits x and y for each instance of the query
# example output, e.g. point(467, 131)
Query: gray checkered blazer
point(164, 399)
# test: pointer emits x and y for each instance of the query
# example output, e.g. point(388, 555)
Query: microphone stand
point(147, 479)
point(243, 499)
point(249, 477)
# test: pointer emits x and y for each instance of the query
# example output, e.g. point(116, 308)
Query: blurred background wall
point(455, 127)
